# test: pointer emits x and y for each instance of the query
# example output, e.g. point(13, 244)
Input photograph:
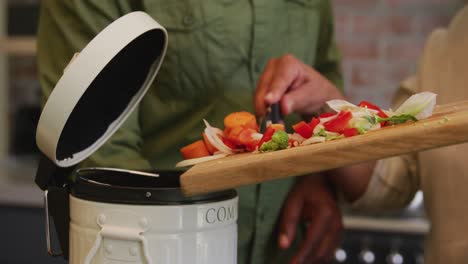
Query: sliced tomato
point(227, 130)
point(349, 132)
point(339, 123)
point(251, 146)
point(325, 115)
point(303, 129)
point(314, 122)
point(245, 137)
point(233, 133)
point(228, 142)
point(241, 137)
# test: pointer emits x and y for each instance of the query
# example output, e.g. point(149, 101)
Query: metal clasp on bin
point(50, 250)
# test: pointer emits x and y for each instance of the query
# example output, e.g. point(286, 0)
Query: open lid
point(101, 88)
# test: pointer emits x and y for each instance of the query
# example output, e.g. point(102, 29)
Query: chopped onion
point(217, 130)
point(325, 119)
point(375, 127)
point(318, 128)
point(389, 112)
point(195, 161)
point(332, 134)
point(296, 137)
point(363, 111)
point(212, 135)
point(419, 105)
point(339, 105)
point(313, 140)
point(257, 136)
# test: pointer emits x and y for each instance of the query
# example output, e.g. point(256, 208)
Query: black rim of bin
point(121, 186)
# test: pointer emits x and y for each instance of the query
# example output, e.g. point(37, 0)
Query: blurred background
point(381, 41)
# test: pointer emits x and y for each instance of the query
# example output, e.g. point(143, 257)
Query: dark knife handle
point(275, 114)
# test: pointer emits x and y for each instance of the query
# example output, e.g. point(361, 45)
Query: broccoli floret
point(269, 146)
point(281, 138)
point(278, 141)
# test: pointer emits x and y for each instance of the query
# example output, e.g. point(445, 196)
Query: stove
point(392, 238)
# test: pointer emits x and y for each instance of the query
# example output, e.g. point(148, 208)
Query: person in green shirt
point(217, 52)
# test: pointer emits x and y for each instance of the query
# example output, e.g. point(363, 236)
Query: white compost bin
point(109, 215)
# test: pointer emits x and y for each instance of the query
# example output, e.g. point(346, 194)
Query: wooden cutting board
point(447, 126)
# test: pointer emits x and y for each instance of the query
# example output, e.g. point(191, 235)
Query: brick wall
point(381, 41)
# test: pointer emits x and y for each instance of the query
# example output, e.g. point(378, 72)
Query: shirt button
point(189, 20)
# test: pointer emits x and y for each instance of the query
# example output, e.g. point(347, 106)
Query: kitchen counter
point(416, 225)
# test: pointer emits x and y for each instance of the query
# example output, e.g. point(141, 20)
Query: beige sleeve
point(395, 180)
point(392, 186)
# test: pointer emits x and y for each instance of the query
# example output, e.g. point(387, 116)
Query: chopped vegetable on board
point(241, 130)
point(195, 150)
point(279, 140)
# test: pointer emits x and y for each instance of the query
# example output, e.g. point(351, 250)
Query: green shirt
point(217, 51)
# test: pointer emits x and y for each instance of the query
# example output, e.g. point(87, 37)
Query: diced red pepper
point(325, 115)
point(267, 135)
point(349, 132)
point(372, 106)
point(369, 105)
point(303, 129)
point(314, 122)
point(338, 123)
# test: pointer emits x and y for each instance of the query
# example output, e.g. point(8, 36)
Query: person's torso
point(217, 51)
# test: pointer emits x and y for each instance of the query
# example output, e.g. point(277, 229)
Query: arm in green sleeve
point(65, 27)
point(328, 56)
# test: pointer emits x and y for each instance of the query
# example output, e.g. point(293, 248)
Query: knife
point(274, 115)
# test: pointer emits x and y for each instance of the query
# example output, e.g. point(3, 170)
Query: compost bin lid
point(100, 88)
